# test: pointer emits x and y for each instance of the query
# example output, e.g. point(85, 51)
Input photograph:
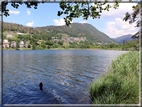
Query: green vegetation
point(46, 33)
point(52, 37)
point(121, 84)
point(128, 45)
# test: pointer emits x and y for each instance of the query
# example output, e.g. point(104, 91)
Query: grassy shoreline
point(121, 84)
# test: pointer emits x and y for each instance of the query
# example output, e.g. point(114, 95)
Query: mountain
point(74, 30)
point(79, 30)
point(123, 38)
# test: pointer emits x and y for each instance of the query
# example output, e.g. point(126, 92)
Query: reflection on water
point(65, 74)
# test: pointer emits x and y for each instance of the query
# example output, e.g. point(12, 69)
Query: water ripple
point(65, 74)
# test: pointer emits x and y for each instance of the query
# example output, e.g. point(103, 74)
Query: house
point(21, 33)
point(13, 44)
point(21, 44)
point(99, 43)
point(9, 36)
point(5, 43)
point(38, 43)
point(27, 43)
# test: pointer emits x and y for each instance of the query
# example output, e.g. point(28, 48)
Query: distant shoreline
point(69, 49)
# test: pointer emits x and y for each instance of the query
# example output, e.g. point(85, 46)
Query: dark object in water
point(40, 85)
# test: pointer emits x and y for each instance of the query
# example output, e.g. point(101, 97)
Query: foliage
point(40, 47)
point(134, 17)
point(49, 43)
point(29, 46)
point(48, 47)
point(43, 44)
point(60, 42)
point(17, 45)
point(83, 9)
point(121, 84)
point(16, 4)
point(76, 9)
point(77, 30)
point(18, 27)
point(33, 47)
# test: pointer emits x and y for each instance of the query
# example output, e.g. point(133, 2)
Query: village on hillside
point(12, 44)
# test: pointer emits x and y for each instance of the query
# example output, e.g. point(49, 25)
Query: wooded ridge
point(74, 30)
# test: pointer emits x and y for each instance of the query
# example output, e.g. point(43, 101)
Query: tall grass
point(121, 84)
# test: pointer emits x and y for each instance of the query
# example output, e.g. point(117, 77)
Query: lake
point(65, 74)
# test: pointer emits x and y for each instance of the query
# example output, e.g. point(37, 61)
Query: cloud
point(117, 13)
point(119, 27)
point(30, 24)
point(28, 12)
point(60, 22)
point(82, 22)
point(14, 12)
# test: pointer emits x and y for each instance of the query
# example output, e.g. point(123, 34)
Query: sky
point(110, 23)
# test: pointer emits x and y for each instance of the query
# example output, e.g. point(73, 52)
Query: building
point(38, 43)
point(21, 44)
point(9, 29)
point(9, 36)
point(27, 43)
point(5, 43)
point(13, 44)
point(21, 33)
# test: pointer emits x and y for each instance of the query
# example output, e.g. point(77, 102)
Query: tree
point(76, 9)
point(29, 45)
point(16, 4)
point(10, 44)
point(72, 9)
point(113, 45)
point(13, 46)
point(43, 44)
point(134, 17)
point(50, 38)
point(48, 47)
point(49, 43)
point(34, 47)
point(60, 42)
point(17, 45)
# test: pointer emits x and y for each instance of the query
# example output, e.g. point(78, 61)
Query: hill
point(123, 38)
point(75, 30)
point(79, 30)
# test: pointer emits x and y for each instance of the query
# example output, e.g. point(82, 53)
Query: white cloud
point(60, 22)
point(82, 22)
point(117, 13)
point(14, 12)
point(30, 24)
point(28, 12)
point(119, 27)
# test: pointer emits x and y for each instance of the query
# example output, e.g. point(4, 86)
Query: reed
point(121, 84)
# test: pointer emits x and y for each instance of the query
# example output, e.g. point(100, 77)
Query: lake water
point(65, 74)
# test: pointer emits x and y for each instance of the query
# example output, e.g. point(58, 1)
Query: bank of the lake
point(67, 49)
point(121, 84)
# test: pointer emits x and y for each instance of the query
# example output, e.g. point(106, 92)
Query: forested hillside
point(75, 30)
point(123, 38)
